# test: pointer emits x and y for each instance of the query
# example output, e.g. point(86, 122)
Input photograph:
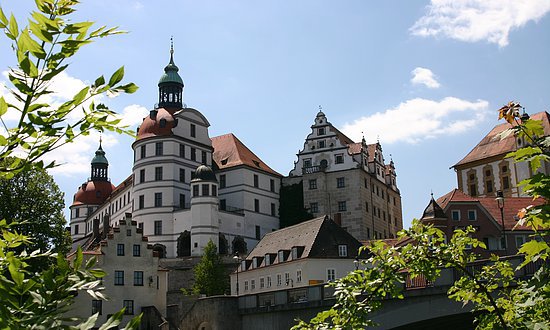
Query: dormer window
point(294, 253)
point(254, 262)
point(281, 256)
point(267, 259)
point(321, 131)
point(342, 250)
point(243, 265)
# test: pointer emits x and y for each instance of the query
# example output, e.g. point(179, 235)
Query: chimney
point(95, 228)
point(106, 225)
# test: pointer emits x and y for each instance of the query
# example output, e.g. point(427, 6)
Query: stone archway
point(160, 250)
point(239, 245)
point(222, 244)
point(184, 244)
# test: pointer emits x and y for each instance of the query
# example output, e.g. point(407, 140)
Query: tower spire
point(171, 84)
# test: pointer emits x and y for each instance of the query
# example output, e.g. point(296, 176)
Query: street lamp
point(500, 202)
point(236, 257)
point(356, 263)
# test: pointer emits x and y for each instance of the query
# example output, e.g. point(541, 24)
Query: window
point(245, 285)
point(366, 183)
point(268, 280)
point(193, 154)
point(367, 207)
point(142, 151)
point(262, 282)
point(340, 182)
point(182, 201)
point(158, 227)
point(281, 256)
point(455, 215)
point(214, 190)
point(120, 249)
point(287, 278)
point(205, 189)
point(307, 162)
point(331, 274)
point(258, 232)
point(339, 158)
point(158, 173)
point(472, 215)
point(141, 176)
point(203, 157)
point(272, 185)
point(136, 250)
point(158, 149)
point(505, 183)
point(141, 201)
point(193, 130)
point(222, 181)
point(158, 199)
point(314, 207)
point(76, 229)
point(97, 306)
point(128, 307)
point(252, 285)
point(138, 278)
point(520, 240)
point(489, 186)
point(223, 204)
point(313, 184)
point(299, 276)
point(256, 183)
point(473, 189)
point(182, 175)
point(321, 131)
point(182, 151)
point(195, 190)
point(256, 205)
point(342, 250)
point(321, 144)
point(294, 253)
point(279, 280)
point(273, 211)
point(341, 206)
point(119, 277)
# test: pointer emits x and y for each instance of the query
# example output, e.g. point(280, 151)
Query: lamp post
point(236, 257)
point(356, 263)
point(500, 202)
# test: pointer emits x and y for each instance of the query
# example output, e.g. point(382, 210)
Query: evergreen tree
point(210, 276)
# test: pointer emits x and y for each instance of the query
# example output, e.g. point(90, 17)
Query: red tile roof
point(512, 205)
point(229, 152)
point(491, 145)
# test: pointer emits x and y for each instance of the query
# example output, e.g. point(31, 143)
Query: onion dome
point(160, 122)
point(100, 156)
point(93, 193)
point(204, 173)
point(171, 86)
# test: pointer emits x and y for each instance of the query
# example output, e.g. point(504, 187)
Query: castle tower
point(204, 210)
point(90, 195)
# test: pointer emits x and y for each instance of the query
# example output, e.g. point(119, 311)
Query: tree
point(291, 206)
point(499, 299)
point(210, 276)
point(33, 199)
point(37, 299)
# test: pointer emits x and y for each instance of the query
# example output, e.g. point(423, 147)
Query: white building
point(234, 202)
point(309, 253)
point(486, 169)
point(134, 279)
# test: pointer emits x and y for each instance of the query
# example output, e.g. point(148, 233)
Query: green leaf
point(12, 27)
point(26, 43)
point(99, 81)
point(3, 106)
point(39, 32)
point(113, 321)
point(89, 323)
point(3, 19)
point(134, 323)
point(3, 140)
point(80, 96)
point(116, 77)
point(129, 88)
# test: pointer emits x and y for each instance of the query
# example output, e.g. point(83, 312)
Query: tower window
point(193, 154)
point(342, 206)
point(256, 205)
point(272, 185)
point(182, 175)
point(158, 227)
point(182, 201)
point(141, 202)
point(273, 212)
point(195, 190)
point(193, 130)
point(256, 181)
point(182, 151)
point(222, 181)
point(158, 199)
point(204, 157)
point(206, 190)
point(142, 151)
point(158, 149)
point(158, 173)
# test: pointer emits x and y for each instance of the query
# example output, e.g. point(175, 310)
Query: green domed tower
point(170, 86)
point(99, 165)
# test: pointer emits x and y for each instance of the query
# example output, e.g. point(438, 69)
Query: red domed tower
point(90, 194)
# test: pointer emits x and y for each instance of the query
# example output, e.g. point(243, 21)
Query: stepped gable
point(229, 152)
point(491, 145)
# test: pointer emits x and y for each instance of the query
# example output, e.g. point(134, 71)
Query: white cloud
point(133, 115)
point(419, 119)
point(477, 20)
point(423, 76)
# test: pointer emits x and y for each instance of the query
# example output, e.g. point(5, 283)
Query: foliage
point(210, 276)
point(499, 299)
point(33, 199)
point(37, 299)
point(291, 205)
point(43, 48)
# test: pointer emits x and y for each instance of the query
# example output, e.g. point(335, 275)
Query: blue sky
point(426, 78)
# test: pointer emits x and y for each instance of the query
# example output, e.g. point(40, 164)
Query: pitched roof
point(317, 236)
point(512, 205)
point(491, 145)
point(229, 152)
point(433, 211)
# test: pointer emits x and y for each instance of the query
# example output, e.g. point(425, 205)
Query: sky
point(425, 78)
